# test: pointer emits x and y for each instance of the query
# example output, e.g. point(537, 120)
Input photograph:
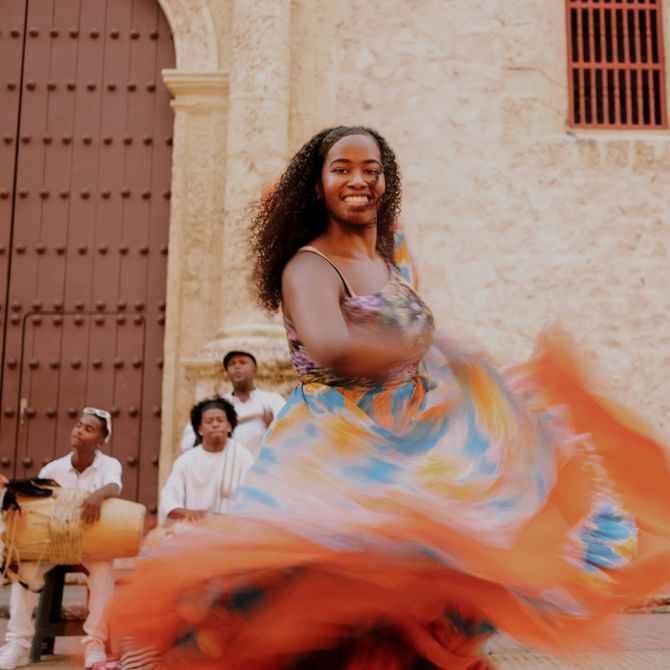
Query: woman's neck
point(350, 241)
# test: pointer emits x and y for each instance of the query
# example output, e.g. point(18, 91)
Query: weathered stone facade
point(516, 220)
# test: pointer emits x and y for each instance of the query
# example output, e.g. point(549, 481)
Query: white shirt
point(104, 470)
point(205, 480)
point(250, 433)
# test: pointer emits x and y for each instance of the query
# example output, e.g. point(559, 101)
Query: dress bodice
point(395, 307)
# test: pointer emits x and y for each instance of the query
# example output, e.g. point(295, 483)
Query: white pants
point(21, 626)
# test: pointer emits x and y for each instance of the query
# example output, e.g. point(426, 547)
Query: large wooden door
point(85, 162)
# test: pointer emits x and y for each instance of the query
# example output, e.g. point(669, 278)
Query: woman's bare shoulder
point(309, 277)
point(307, 264)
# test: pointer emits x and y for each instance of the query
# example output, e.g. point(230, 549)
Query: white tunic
point(104, 470)
point(205, 480)
point(249, 433)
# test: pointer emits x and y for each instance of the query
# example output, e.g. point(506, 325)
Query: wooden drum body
point(50, 530)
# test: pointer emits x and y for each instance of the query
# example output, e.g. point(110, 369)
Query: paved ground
point(645, 638)
point(639, 660)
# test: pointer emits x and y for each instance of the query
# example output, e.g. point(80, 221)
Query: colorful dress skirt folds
point(448, 502)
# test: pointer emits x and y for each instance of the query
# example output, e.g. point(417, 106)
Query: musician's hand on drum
point(90, 510)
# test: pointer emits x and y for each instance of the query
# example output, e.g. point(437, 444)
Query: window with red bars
point(616, 64)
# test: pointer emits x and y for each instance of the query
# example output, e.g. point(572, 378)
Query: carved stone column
point(231, 138)
point(313, 69)
point(256, 152)
point(258, 127)
point(193, 281)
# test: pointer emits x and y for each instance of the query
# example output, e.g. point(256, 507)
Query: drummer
point(87, 468)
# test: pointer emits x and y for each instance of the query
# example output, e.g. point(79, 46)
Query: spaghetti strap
point(347, 287)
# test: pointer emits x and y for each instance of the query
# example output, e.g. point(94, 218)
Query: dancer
point(410, 499)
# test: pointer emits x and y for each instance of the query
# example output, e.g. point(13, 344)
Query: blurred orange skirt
point(405, 524)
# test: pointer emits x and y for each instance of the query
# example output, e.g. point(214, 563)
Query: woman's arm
point(311, 295)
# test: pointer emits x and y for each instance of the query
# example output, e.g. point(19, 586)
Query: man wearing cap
point(256, 409)
point(87, 468)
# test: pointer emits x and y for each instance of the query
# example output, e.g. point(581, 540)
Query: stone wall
point(517, 221)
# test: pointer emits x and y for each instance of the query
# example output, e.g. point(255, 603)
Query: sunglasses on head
point(101, 414)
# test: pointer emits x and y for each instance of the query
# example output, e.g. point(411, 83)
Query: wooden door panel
point(89, 145)
point(12, 27)
point(92, 372)
point(38, 393)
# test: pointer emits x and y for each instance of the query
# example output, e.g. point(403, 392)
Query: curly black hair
point(291, 215)
point(217, 402)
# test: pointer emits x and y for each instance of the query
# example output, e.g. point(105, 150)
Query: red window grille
point(616, 64)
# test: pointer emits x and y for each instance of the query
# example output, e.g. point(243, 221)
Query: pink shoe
point(109, 664)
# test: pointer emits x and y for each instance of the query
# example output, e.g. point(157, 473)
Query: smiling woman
point(410, 498)
point(352, 181)
point(293, 215)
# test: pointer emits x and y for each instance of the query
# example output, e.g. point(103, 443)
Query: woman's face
point(352, 180)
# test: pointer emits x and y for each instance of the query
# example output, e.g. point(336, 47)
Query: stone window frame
point(616, 64)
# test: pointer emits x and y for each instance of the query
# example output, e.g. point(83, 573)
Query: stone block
point(589, 152)
point(644, 156)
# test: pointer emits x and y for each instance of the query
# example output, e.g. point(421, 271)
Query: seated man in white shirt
point(87, 468)
point(204, 479)
point(256, 409)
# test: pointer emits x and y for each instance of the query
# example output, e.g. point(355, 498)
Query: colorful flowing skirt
point(405, 523)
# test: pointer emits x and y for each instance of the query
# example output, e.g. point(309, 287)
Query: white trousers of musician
point(100, 581)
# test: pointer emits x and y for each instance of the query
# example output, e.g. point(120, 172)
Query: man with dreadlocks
point(410, 498)
point(204, 479)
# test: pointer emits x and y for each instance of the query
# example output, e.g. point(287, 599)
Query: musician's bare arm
point(90, 511)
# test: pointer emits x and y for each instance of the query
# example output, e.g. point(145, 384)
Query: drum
point(50, 530)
